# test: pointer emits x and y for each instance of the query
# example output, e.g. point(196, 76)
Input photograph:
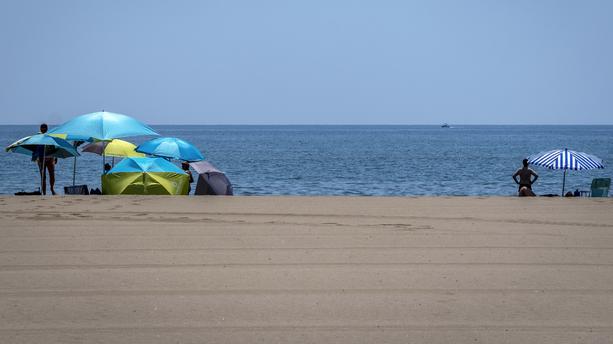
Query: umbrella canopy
point(53, 146)
point(103, 126)
point(116, 147)
point(43, 146)
point(211, 181)
point(75, 138)
point(566, 159)
point(145, 176)
point(171, 147)
point(204, 167)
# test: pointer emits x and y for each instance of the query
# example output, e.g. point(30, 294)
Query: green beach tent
point(145, 176)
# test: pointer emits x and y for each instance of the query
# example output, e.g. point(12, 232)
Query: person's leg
point(41, 169)
point(51, 169)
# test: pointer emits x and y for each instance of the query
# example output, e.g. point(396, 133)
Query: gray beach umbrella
point(211, 181)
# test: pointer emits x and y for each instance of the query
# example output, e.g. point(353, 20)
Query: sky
point(308, 62)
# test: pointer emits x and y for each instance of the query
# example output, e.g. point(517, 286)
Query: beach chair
point(600, 187)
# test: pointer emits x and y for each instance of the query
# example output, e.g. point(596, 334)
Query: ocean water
point(353, 160)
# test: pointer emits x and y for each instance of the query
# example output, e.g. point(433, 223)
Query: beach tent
point(145, 176)
point(211, 181)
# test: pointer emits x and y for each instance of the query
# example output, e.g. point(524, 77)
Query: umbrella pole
point(42, 171)
point(74, 164)
point(74, 170)
point(563, 182)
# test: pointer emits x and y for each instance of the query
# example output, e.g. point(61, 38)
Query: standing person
point(525, 179)
point(45, 163)
point(185, 167)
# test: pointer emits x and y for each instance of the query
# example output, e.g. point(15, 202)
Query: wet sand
point(305, 270)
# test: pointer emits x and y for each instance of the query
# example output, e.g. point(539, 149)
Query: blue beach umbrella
point(565, 159)
point(42, 144)
point(103, 126)
point(171, 147)
point(53, 146)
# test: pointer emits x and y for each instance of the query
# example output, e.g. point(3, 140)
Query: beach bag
point(76, 190)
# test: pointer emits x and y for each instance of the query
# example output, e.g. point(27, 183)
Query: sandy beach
point(305, 270)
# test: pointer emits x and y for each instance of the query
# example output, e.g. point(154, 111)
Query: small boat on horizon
point(445, 125)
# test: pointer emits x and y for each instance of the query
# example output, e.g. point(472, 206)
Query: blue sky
point(308, 62)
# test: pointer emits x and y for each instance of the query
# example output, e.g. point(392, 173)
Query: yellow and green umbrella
point(145, 176)
point(116, 147)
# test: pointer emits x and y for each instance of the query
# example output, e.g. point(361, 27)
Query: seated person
point(525, 191)
point(185, 167)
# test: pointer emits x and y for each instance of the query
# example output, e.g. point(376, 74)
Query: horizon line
point(344, 124)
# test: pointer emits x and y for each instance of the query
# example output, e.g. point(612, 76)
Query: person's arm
point(536, 176)
point(515, 177)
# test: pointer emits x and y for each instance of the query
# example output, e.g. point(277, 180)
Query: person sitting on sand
point(45, 163)
point(185, 167)
point(525, 191)
point(525, 179)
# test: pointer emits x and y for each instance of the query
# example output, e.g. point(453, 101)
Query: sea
point(369, 160)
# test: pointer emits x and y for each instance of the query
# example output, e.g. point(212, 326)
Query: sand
point(305, 270)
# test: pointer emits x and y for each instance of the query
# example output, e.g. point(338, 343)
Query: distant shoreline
point(438, 125)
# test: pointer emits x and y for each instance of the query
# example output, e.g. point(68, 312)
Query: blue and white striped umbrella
point(565, 159)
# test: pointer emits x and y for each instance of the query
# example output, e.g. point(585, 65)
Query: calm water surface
point(352, 160)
